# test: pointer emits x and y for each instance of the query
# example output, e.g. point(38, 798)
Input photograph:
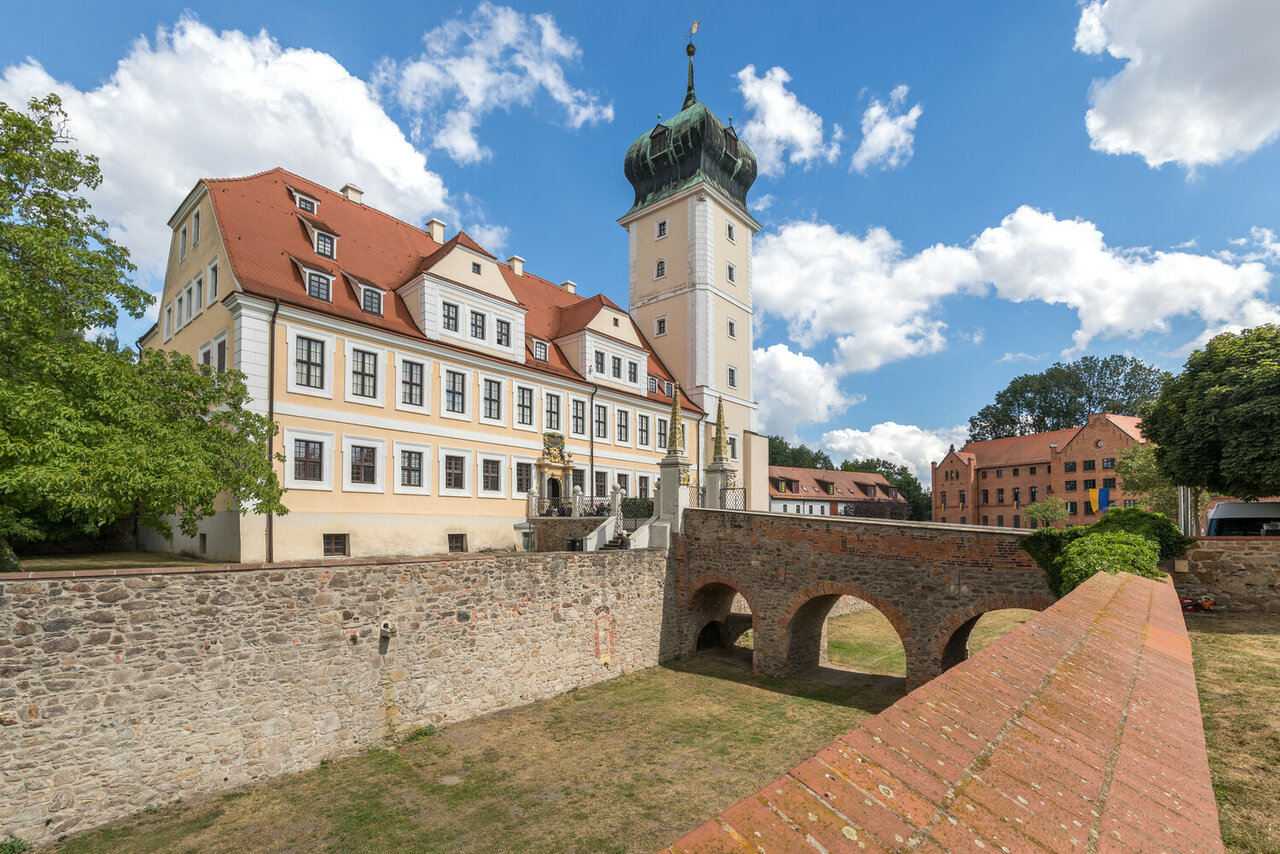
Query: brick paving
point(1078, 731)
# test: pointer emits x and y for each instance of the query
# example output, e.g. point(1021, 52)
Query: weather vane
point(689, 36)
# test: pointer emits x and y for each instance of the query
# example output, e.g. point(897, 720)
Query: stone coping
point(1079, 731)
point(863, 520)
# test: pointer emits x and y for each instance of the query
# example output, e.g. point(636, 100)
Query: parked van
point(1245, 519)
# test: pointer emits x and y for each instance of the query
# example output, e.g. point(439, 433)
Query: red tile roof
point(1080, 730)
point(260, 227)
point(851, 485)
point(1014, 450)
point(1129, 424)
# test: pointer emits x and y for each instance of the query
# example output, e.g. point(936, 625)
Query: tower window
point(733, 377)
point(660, 229)
point(730, 233)
point(659, 139)
point(731, 141)
point(733, 329)
point(660, 326)
point(660, 268)
point(731, 272)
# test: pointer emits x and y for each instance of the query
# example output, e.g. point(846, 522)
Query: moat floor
point(634, 763)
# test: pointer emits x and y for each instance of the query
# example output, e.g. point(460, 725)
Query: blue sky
point(952, 194)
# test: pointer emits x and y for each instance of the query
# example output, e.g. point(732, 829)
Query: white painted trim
point(503, 475)
point(326, 459)
point(425, 407)
point(467, 393)
point(379, 465)
point(560, 415)
point(468, 474)
point(398, 487)
point(291, 373)
point(534, 399)
point(380, 379)
point(504, 399)
point(533, 475)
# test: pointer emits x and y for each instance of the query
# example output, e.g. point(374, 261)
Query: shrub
point(1046, 546)
point(1154, 526)
point(13, 845)
point(1107, 552)
point(637, 508)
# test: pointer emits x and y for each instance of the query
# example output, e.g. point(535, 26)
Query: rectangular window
point(335, 545)
point(363, 464)
point(1015, 472)
point(733, 448)
point(411, 468)
point(660, 326)
point(1017, 521)
point(1130, 502)
point(733, 377)
point(660, 229)
point(524, 405)
point(182, 244)
point(1072, 508)
point(195, 229)
point(729, 232)
point(324, 244)
point(1108, 462)
point(579, 417)
point(454, 475)
point(306, 204)
point(731, 273)
point(1089, 465)
point(180, 305)
point(642, 429)
point(580, 479)
point(662, 432)
point(457, 542)
point(1069, 486)
point(206, 358)
point(624, 482)
point(1032, 470)
point(623, 426)
point(553, 412)
point(213, 282)
point(1017, 496)
point(364, 374)
point(411, 383)
point(318, 286)
point(455, 393)
point(491, 475)
point(1069, 466)
point(986, 520)
point(477, 325)
point(1035, 494)
point(168, 321)
point(733, 329)
point(449, 316)
point(540, 350)
point(371, 301)
point(999, 472)
point(492, 399)
point(642, 486)
point(602, 484)
point(986, 497)
point(999, 521)
point(199, 303)
point(999, 496)
point(1108, 483)
point(599, 362)
point(617, 368)
point(602, 422)
point(308, 461)
point(503, 334)
point(1090, 483)
point(524, 477)
point(222, 357)
point(633, 372)
point(310, 363)
point(671, 390)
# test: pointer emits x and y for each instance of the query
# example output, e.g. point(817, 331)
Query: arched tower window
point(660, 268)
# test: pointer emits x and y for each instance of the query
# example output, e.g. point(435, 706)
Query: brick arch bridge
point(931, 581)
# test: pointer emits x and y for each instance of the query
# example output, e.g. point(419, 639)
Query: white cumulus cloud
point(780, 129)
point(794, 389)
point(877, 304)
point(196, 103)
point(888, 134)
point(904, 444)
point(495, 59)
point(1201, 81)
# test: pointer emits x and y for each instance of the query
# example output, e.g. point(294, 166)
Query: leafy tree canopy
point(909, 487)
point(783, 453)
point(1046, 511)
point(1215, 424)
point(89, 433)
point(1065, 395)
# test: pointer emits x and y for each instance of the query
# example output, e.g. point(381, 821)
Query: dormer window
point(540, 350)
point(305, 204)
point(653, 385)
point(318, 286)
point(731, 141)
point(659, 139)
point(324, 244)
point(670, 390)
point(371, 301)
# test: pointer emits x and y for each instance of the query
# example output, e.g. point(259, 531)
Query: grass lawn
point(632, 764)
point(107, 560)
point(1237, 660)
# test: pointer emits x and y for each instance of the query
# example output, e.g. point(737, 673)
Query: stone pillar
point(576, 509)
point(531, 503)
point(615, 497)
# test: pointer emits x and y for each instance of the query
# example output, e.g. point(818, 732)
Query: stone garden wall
point(118, 692)
point(554, 532)
point(1240, 573)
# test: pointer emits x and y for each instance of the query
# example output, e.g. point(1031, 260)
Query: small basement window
point(335, 545)
point(457, 542)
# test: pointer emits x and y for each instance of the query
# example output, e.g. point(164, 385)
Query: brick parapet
point(1080, 730)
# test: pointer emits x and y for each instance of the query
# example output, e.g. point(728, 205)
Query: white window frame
point(457, 307)
point(546, 425)
point(468, 393)
point(315, 243)
point(544, 347)
point(630, 441)
point(660, 269)
point(325, 484)
point(586, 418)
point(652, 430)
point(399, 488)
point(472, 314)
point(661, 229)
point(535, 399)
point(379, 466)
point(468, 473)
point(660, 326)
point(382, 301)
point(733, 328)
point(168, 321)
point(220, 338)
point(306, 284)
point(195, 229)
point(659, 420)
point(730, 231)
point(731, 273)
point(425, 408)
point(330, 353)
point(211, 282)
point(206, 350)
point(380, 386)
point(608, 421)
point(731, 376)
point(315, 205)
point(733, 441)
point(533, 476)
point(182, 244)
point(504, 387)
point(503, 475)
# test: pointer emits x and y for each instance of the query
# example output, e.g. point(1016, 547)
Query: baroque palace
point(423, 387)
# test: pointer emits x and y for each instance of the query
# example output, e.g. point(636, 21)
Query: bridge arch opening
point(967, 632)
point(840, 627)
point(723, 619)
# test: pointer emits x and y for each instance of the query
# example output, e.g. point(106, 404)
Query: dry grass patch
point(1237, 661)
point(628, 765)
point(867, 642)
point(103, 560)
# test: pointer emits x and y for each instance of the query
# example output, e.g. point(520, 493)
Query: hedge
point(1107, 552)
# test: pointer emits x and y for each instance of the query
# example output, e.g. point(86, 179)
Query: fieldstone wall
point(120, 691)
point(1240, 573)
point(554, 532)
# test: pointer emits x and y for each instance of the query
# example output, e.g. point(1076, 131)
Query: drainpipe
point(591, 431)
point(271, 416)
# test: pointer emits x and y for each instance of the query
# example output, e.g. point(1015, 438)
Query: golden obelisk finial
point(689, 96)
point(721, 442)
point(674, 442)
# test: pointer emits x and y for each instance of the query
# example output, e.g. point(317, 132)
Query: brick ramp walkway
point(1079, 731)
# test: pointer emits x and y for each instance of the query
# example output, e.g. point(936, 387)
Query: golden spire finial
point(721, 443)
point(673, 441)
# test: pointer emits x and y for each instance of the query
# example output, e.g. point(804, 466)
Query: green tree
point(1116, 551)
point(783, 453)
point(909, 487)
point(91, 434)
point(1138, 473)
point(1065, 395)
point(1215, 424)
point(1046, 511)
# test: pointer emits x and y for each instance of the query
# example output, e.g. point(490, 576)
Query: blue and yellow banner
point(1100, 499)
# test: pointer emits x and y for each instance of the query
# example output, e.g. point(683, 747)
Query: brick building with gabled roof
point(992, 482)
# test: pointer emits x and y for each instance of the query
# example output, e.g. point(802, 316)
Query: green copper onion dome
point(691, 146)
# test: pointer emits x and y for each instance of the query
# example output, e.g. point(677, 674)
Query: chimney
point(517, 264)
point(435, 228)
point(571, 287)
point(352, 192)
